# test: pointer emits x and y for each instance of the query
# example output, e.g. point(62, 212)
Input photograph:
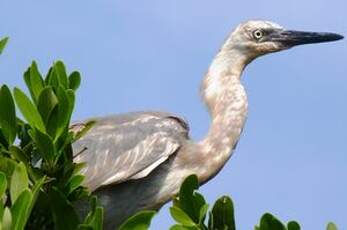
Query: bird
point(137, 161)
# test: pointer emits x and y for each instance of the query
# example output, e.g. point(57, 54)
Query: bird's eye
point(257, 34)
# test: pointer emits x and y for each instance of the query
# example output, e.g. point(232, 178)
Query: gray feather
point(129, 146)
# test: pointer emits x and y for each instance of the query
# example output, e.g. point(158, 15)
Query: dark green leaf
point(223, 214)
point(59, 119)
point(293, 225)
point(20, 210)
point(7, 115)
point(3, 141)
point(3, 43)
point(19, 154)
point(28, 110)
point(181, 217)
point(269, 222)
point(139, 221)
point(84, 227)
point(46, 103)
point(44, 144)
point(36, 191)
point(74, 80)
point(64, 215)
point(19, 181)
point(3, 185)
point(189, 200)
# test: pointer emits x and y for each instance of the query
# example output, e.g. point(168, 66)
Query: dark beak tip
point(339, 37)
point(335, 37)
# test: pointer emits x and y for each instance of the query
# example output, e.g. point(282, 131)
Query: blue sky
point(152, 55)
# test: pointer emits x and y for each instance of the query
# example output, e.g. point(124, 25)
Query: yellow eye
point(257, 34)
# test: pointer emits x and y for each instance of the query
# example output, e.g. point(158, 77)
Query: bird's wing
point(129, 146)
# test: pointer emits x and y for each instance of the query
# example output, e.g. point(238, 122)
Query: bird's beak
point(290, 38)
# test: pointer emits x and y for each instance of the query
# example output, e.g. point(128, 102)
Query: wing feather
point(130, 146)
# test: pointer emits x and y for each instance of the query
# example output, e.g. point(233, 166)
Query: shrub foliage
point(39, 181)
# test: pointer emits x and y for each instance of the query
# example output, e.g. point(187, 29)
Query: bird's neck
point(226, 100)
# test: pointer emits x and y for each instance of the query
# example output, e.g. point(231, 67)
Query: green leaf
point(80, 129)
point(140, 221)
point(20, 210)
point(60, 70)
point(203, 211)
point(7, 219)
point(3, 43)
point(331, 226)
point(19, 181)
point(7, 166)
point(223, 214)
point(53, 78)
point(7, 115)
point(74, 80)
point(293, 225)
point(181, 217)
point(19, 154)
point(36, 82)
point(189, 200)
point(269, 222)
point(46, 103)
point(75, 182)
point(3, 184)
point(29, 111)
point(44, 144)
point(59, 119)
point(181, 227)
point(36, 191)
point(97, 220)
point(64, 215)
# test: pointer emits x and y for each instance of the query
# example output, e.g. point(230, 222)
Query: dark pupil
point(258, 34)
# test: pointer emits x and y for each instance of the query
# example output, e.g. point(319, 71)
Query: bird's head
point(255, 38)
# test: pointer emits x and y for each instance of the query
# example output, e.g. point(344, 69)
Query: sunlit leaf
point(75, 182)
point(28, 110)
point(3, 43)
point(181, 217)
point(20, 210)
point(60, 70)
point(19, 181)
point(331, 226)
point(7, 219)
